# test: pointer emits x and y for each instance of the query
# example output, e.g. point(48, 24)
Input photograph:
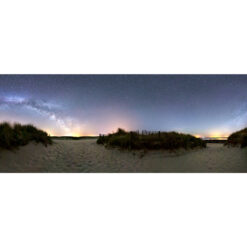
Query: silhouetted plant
point(244, 141)
point(19, 135)
point(238, 138)
point(150, 140)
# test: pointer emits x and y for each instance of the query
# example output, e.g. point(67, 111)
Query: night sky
point(205, 105)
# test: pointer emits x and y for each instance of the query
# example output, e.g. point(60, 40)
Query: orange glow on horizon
point(113, 127)
point(49, 132)
point(198, 136)
point(220, 134)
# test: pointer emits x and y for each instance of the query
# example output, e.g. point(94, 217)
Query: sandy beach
point(87, 156)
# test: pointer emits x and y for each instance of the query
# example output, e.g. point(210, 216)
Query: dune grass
point(150, 140)
point(238, 138)
point(13, 136)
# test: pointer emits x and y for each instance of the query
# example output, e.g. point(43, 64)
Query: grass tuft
point(13, 136)
point(238, 138)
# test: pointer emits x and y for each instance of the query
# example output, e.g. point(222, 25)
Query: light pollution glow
point(84, 105)
point(114, 122)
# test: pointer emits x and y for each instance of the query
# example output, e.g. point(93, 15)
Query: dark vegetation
point(238, 138)
point(150, 140)
point(13, 136)
point(215, 141)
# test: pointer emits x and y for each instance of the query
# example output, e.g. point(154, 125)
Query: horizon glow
point(89, 105)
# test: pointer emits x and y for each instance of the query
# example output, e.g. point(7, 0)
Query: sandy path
point(87, 156)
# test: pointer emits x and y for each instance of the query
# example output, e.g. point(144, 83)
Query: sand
point(86, 156)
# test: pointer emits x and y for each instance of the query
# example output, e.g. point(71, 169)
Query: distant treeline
point(152, 140)
point(238, 138)
point(13, 136)
point(215, 141)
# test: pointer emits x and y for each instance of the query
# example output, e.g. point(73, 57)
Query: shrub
point(150, 140)
point(7, 137)
point(238, 138)
point(19, 135)
point(244, 141)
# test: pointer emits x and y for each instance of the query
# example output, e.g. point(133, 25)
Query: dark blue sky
point(206, 105)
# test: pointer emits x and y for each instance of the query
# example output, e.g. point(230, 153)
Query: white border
point(123, 210)
point(131, 36)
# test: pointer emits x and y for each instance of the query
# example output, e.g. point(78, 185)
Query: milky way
point(205, 105)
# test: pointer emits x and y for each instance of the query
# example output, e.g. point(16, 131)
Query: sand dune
point(87, 156)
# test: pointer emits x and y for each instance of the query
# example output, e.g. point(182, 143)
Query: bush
point(19, 135)
point(244, 142)
point(238, 138)
point(150, 140)
point(7, 136)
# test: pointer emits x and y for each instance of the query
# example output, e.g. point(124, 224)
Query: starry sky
point(77, 105)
